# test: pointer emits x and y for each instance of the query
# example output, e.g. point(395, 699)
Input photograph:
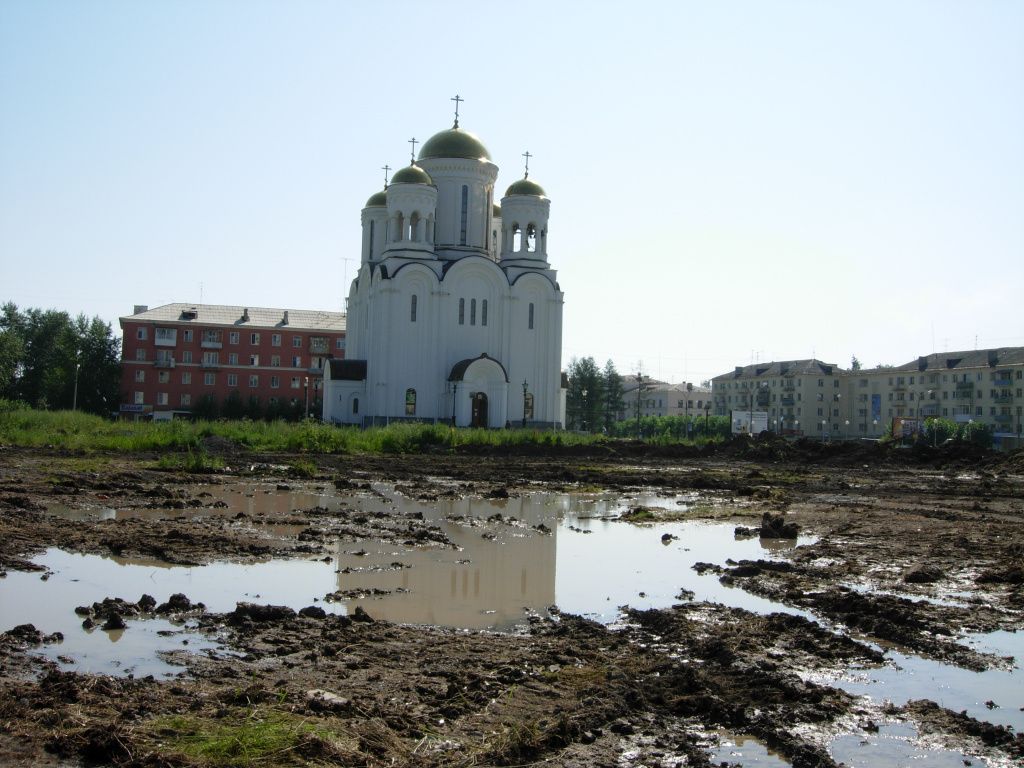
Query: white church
point(455, 315)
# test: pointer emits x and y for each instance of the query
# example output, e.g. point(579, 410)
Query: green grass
point(259, 736)
point(77, 431)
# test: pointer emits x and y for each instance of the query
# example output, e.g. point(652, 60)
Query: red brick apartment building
point(172, 356)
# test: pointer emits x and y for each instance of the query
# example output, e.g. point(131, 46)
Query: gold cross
point(414, 142)
point(386, 168)
point(527, 155)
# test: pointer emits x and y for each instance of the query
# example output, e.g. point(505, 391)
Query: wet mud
point(909, 550)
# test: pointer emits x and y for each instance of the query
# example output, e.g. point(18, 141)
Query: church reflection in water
point(488, 583)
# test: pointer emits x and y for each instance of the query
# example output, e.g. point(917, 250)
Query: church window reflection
point(410, 402)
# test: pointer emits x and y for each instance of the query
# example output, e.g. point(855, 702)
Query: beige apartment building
point(816, 399)
point(659, 398)
point(801, 397)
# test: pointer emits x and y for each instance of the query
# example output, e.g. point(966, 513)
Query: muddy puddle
point(512, 557)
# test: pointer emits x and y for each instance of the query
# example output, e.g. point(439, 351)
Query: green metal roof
point(525, 187)
point(377, 200)
point(411, 174)
point(454, 142)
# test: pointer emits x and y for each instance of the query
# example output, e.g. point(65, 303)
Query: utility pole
point(640, 389)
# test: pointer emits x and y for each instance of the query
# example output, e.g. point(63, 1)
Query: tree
point(233, 406)
point(854, 363)
point(613, 399)
point(44, 352)
point(585, 403)
point(206, 408)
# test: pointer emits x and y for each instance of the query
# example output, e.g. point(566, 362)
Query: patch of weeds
point(302, 468)
point(516, 741)
point(196, 462)
point(81, 464)
point(258, 736)
point(639, 515)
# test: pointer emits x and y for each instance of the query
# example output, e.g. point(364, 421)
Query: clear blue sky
point(729, 180)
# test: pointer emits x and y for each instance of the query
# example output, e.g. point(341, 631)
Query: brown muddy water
point(512, 558)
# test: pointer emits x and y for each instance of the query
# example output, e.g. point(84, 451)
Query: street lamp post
point(823, 423)
point(455, 387)
point(583, 410)
point(846, 432)
point(74, 396)
point(525, 388)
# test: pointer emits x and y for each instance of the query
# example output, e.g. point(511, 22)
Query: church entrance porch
point(481, 384)
point(478, 416)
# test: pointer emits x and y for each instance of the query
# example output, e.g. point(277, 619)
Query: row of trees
point(938, 431)
point(234, 406)
point(45, 353)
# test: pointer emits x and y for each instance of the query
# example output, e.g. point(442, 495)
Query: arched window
point(399, 227)
point(472, 311)
point(483, 312)
point(530, 318)
point(465, 215)
point(412, 309)
point(462, 311)
point(370, 254)
point(528, 405)
point(531, 238)
point(517, 238)
point(410, 402)
point(414, 227)
point(355, 406)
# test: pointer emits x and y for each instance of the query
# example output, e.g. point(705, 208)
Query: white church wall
point(449, 176)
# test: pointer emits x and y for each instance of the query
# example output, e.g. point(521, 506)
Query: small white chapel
point(455, 315)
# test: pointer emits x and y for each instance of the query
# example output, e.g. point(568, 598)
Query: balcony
point(931, 409)
point(1002, 383)
point(1003, 399)
point(962, 386)
point(787, 400)
point(211, 344)
point(319, 347)
point(169, 363)
point(164, 342)
point(208, 364)
point(763, 398)
point(1003, 418)
point(899, 388)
